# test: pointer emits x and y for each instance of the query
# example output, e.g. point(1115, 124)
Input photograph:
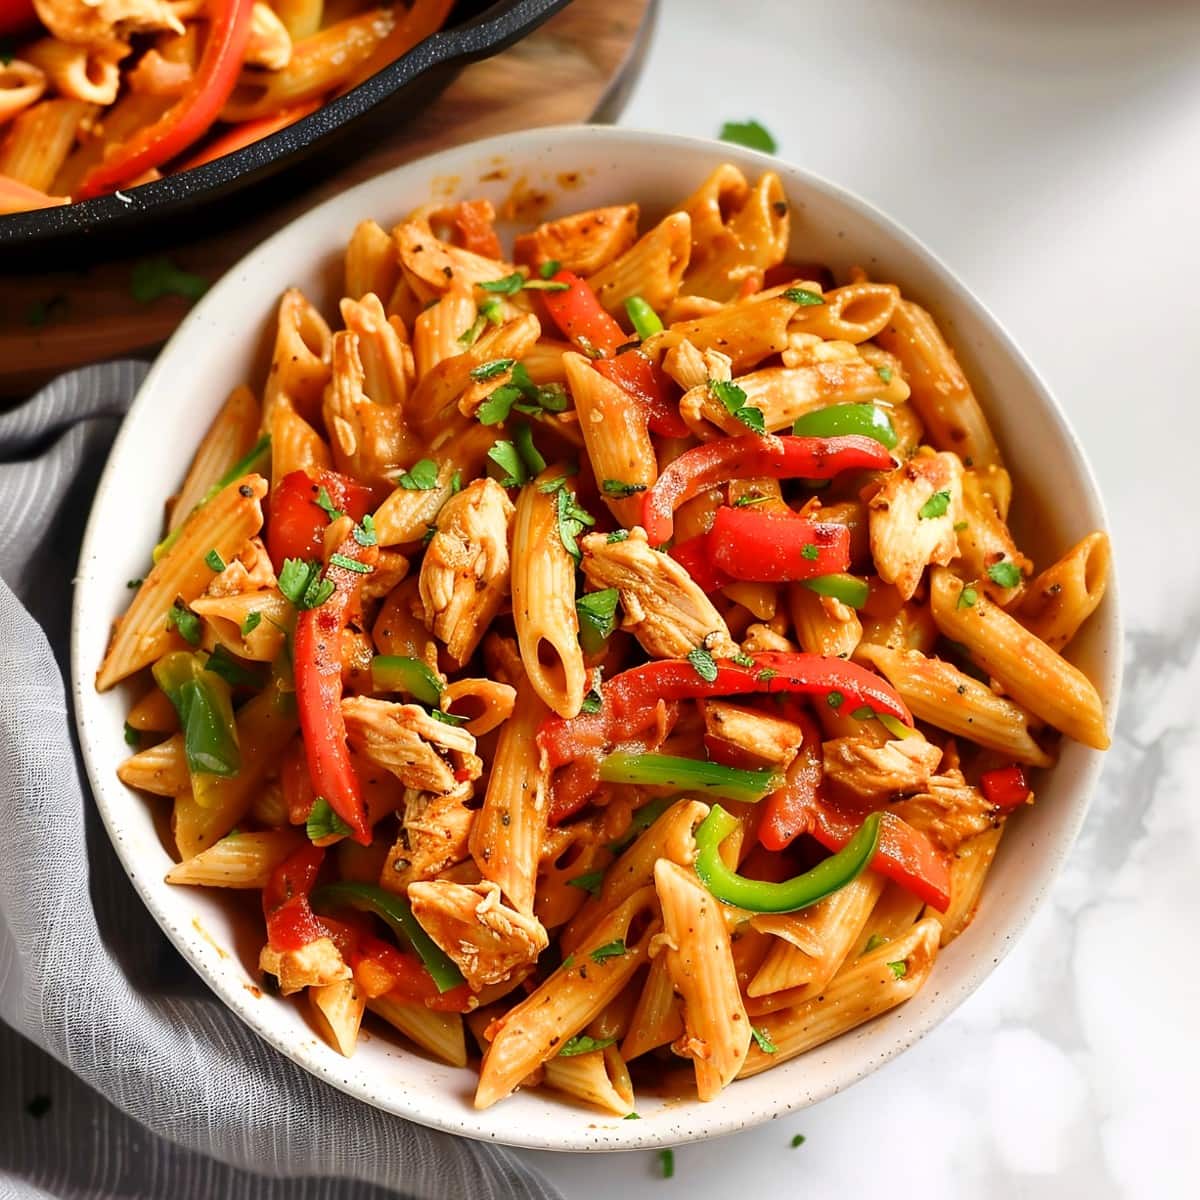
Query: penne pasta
point(238, 860)
point(1066, 593)
point(338, 1009)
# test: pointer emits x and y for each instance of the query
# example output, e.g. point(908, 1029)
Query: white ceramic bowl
point(223, 342)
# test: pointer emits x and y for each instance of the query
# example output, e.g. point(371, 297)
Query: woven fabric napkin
point(123, 1074)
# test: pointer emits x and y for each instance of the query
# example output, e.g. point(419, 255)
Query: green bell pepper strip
point(254, 462)
point(646, 322)
point(203, 702)
point(801, 891)
point(396, 673)
point(840, 420)
point(394, 911)
point(849, 589)
point(689, 774)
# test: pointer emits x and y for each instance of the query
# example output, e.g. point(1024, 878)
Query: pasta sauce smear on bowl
point(604, 655)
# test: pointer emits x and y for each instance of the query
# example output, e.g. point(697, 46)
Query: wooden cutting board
point(572, 69)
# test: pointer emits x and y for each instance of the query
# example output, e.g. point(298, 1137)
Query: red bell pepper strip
point(381, 969)
point(296, 523)
point(317, 653)
point(1005, 787)
point(194, 113)
point(16, 15)
point(592, 329)
point(752, 457)
point(246, 133)
point(628, 700)
point(473, 223)
point(298, 792)
point(291, 923)
point(786, 813)
point(695, 556)
point(769, 547)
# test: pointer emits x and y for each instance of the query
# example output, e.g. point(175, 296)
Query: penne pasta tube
point(301, 18)
point(746, 331)
point(433, 266)
point(239, 860)
point(867, 987)
point(652, 268)
point(295, 444)
point(938, 692)
point(142, 635)
point(161, 770)
point(823, 625)
point(79, 72)
point(854, 313)
point(1066, 593)
point(1035, 676)
point(696, 947)
point(440, 1033)
point(387, 358)
point(543, 597)
point(229, 439)
point(337, 1009)
point(300, 360)
point(153, 713)
point(940, 392)
point(372, 265)
point(269, 44)
point(438, 332)
point(39, 139)
point(252, 625)
point(486, 703)
point(582, 242)
point(657, 1019)
point(598, 1077)
point(984, 541)
point(21, 84)
point(535, 1030)
point(506, 836)
point(894, 914)
point(968, 869)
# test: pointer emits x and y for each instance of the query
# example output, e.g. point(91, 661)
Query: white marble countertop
point(1047, 150)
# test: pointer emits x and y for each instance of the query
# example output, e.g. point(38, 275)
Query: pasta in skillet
point(604, 659)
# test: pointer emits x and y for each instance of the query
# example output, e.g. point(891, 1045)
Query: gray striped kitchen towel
point(123, 1075)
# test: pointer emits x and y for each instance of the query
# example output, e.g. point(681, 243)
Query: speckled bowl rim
point(680, 1122)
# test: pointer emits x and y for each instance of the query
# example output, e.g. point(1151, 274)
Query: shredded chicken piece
point(465, 572)
point(875, 772)
point(105, 22)
point(433, 837)
point(420, 751)
point(313, 965)
point(950, 810)
point(664, 607)
point(691, 367)
point(251, 571)
point(903, 542)
point(769, 739)
point(760, 638)
point(486, 939)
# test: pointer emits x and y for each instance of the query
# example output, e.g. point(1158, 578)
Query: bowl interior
point(551, 171)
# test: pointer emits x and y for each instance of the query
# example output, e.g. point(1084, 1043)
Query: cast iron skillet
point(200, 199)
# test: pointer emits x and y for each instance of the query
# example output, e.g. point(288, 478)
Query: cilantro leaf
point(747, 500)
point(214, 561)
point(550, 268)
point(898, 969)
point(589, 882)
point(132, 736)
point(572, 519)
point(742, 659)
point(666, 1163)
point(155, 277)
point(734, 400)
point(350, 564)
point(598, 611)
point(364, 534)
point(447, 718)
point(609, 950)
point(325, 503)
point(489, 370)
point(1004, 574)
point(614, 487)
point(582, 1044)
point(591, 702)
point(863, 713)
point(874, 942)
point(498, 404)
point(810, 552)
point(935, 506)
point(505, 456)
point(750, 134)
point(420, 477)
point(250, 624)
point(804, 297)
point(884, 373)
point(763, 1038)
point(798, 1139)
point(967, 598)
point(617, 535)
point(703, 664)
point(535, 464)
point(323, 822)
point(182, 618)
point(835, 700)
point(300, 581)
point(509, 285)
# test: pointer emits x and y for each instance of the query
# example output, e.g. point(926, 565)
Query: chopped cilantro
point(967, 597)
point(874, 942)
point(155, 277)
point(747, 500)
point(1004, 574)
point(498, 404)
point(835, 700)
point(250, 624)
point(617, 535)
point(703, 664)
point(489, 370)
point(535, 464)
point(447, 718)
point(734, 400)
point(804, 297)
point(742, 659)
point(591, 702)
point(506, 457)
point(582, 1044)
point(325, 503)
point(750, 134)
point(182, 618)
point(508, 286)
point(884, 373)
point(935, 506)
point(214, 561)
point(568, 962)
point(420, 477)
point(323, 822)
point(863, 713)
point(631, 1117)
point(350, 564)
point(132, 737)
point(898, 969)
point(6, 52)
point(615, 487)
point(571, 521)
point(959, 526)
point(810, 552)
point(597, 611)
point(549, 268)
point(766, 675)
point(666, 1163)
point(472, 331)
point(131, 584)
point(763, 1038)
point(609, 950)
point(365, 535)
point(456, 483)
point(589, 882)
point(798, 1140)
point(300, 581)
